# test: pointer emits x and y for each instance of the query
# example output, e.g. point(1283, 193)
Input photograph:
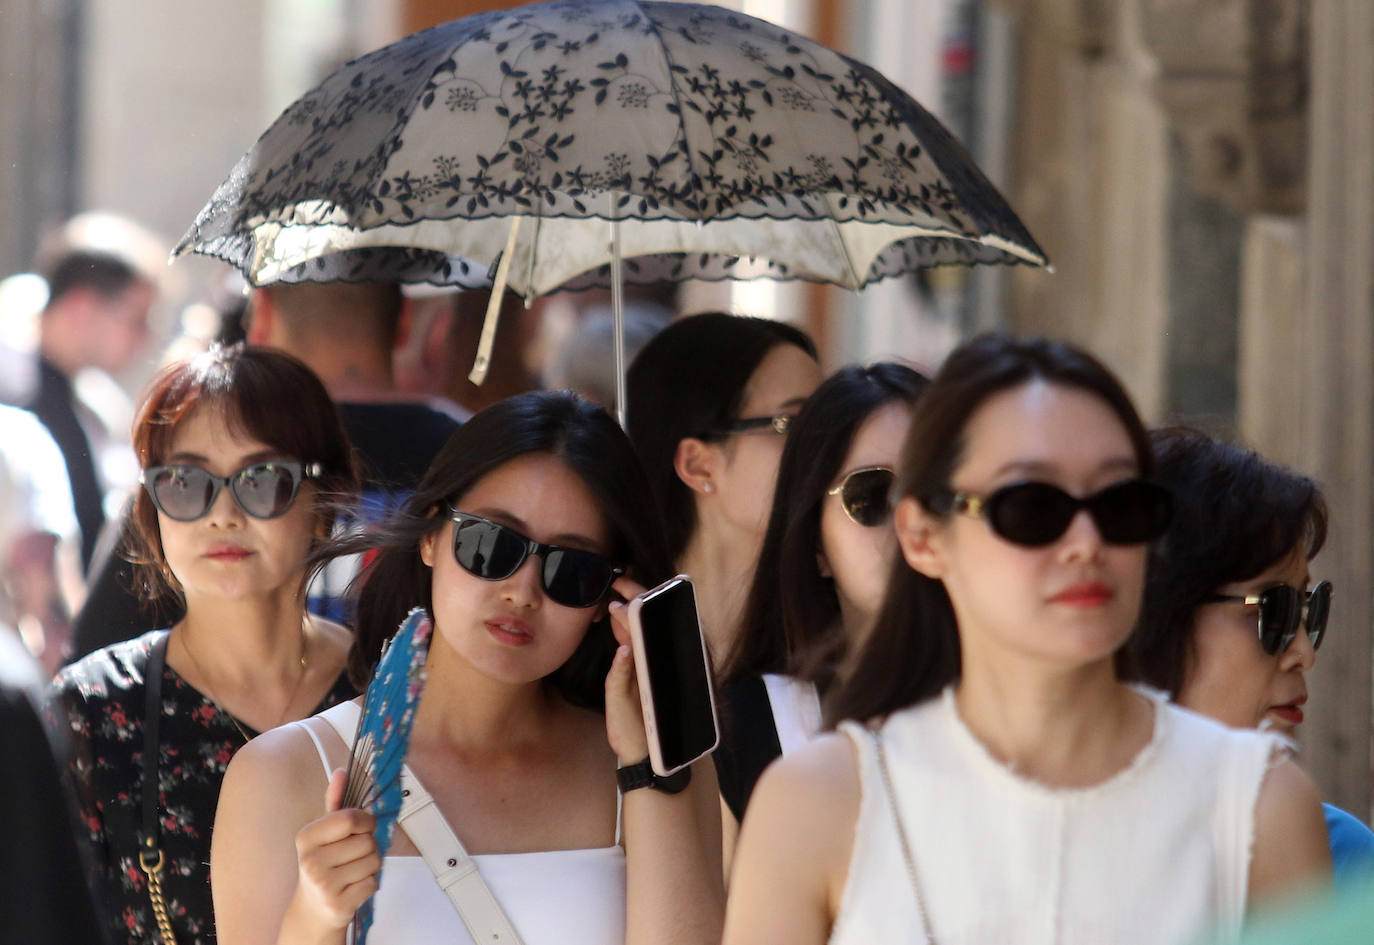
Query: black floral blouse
point(98, 704)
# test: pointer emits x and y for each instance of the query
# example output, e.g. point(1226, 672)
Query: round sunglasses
point(184, 492)
point(491, 551)
point(1035, 514)
point(866, 495)
point(1281, 609)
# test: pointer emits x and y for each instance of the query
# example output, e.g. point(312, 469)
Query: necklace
point(205, 680)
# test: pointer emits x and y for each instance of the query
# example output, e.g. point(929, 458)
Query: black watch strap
point(642, 774)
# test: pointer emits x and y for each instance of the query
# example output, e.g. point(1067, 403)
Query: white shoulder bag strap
point(454, 870)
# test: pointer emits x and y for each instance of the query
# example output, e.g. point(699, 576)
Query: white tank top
point(1153, 855)
point(558, 897)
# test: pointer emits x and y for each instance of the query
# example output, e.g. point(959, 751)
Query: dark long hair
point(791, 609)
point(558, 423)
point(913, 650)
point(260, 392)
point(687, 381)
point(1236, 515)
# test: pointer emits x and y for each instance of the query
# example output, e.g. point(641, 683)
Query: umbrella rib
point(677, 101)
point(857, 283)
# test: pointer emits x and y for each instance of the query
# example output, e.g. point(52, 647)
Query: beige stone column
point(36, 125)
point(1335, 385)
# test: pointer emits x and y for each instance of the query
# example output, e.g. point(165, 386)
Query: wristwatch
point(642, 774)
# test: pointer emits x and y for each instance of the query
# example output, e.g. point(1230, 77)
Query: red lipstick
point(1290, 712)
point(227, 553)
point(510, 631)
point(1085, 594)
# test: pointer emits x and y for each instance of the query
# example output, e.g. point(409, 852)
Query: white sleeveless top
point(796, 710)
point(1153, 855)
point(558, 897)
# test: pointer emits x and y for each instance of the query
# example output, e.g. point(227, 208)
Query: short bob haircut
point(261, 393)
point(558, 423)
point(689, 381)
point(1236, 515)
point(913, 652)
point(792, 609)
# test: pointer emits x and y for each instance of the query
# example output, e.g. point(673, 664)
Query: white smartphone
point(674, 673)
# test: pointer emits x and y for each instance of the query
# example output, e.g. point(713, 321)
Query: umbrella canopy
point(721, 146)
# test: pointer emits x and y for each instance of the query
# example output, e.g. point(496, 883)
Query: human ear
point(427, 542)
point(262, 316)
point(919, 537)
point(697, 463)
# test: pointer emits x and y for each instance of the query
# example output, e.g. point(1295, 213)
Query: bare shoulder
point(1291, 849)
point(283, 763)
point(795, 844)
point(822, 775)
point(808, 802)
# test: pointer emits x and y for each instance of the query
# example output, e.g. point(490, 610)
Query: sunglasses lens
point(486, 549)
point(266, 490)
point(182, 493)
point(1030, 513)
point(575, 578)
point(1132, 512)
point(864, 496)
point(1318, 609)
point(1280, 609)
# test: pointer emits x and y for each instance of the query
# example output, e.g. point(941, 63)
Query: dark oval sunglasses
point(184, 493)
point(1281, 609)
point(866, 495)
point(1035, 514)
point(570, 576)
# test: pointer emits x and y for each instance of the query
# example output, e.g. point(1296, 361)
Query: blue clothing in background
point(1352, 845)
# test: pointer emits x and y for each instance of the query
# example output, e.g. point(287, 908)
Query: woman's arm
point(794, 848)
point(1291, 852)
point(674, 888)
point(284, 866)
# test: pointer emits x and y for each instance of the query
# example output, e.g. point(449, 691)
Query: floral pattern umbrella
point(720, 145)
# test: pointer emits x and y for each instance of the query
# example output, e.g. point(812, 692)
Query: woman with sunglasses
point(994, 779)
point(238, 488)
point(531, 523)
point(711, 398)
point(819, 583)
point(1231, 621)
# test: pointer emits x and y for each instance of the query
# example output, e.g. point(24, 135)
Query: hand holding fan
point(379, 746)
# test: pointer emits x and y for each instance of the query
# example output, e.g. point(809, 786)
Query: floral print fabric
point(97, 704)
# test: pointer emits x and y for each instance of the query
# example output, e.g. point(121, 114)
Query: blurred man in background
point(101, 285)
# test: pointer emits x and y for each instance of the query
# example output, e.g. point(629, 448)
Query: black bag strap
point(149, 854)
point(152, 715)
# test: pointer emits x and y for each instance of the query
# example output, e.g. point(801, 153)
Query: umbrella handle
point(482, 362)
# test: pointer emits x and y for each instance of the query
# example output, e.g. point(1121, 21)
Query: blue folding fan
point(379, 746)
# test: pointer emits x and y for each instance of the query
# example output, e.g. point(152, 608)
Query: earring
point(707, 488)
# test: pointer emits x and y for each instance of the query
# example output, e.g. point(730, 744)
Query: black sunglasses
point(185, 493)
point(1281, 608)
point(1034, 514)
point(866, 495)
point(570, 576)
point(778, 424)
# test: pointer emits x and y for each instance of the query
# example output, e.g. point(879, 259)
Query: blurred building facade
point(1198, 170)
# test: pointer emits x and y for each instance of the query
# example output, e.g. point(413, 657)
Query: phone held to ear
point(674, 673)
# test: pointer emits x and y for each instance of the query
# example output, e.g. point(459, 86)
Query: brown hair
point(262, 393)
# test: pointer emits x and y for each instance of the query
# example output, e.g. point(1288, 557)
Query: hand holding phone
point(674, 674)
